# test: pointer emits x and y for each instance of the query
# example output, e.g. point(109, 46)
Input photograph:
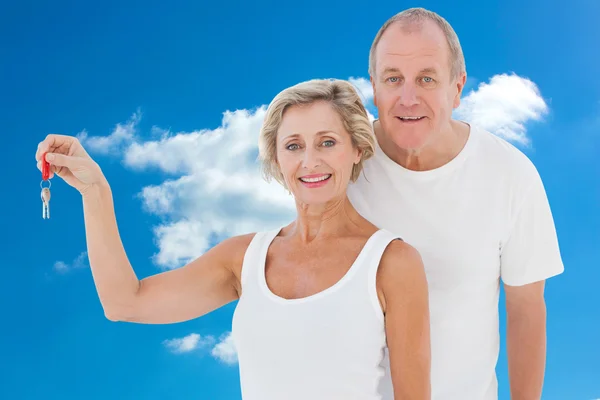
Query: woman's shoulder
point(241, 242)
point(236, 247)
point(398, 249)
point(237, 243)
point(233, 251)
point(401, 275)
point(400, 263)
point(233, 248)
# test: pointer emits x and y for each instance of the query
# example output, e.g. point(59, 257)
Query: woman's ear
point(359, 156)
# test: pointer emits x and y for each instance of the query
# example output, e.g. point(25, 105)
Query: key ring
point(42, 184)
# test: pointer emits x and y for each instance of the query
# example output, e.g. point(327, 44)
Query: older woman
point(320, 299)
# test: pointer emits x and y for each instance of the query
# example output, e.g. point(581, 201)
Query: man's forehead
point(411, 47)
point(409, 66)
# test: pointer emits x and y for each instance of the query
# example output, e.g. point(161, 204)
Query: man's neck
point(441, 150)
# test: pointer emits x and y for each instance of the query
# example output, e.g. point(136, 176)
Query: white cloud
point(225, 350)
point(218, 191)
point(363, 87)
point(61, 267)
point(79, 262)
point(365, 90)
point(188, 343)
point(503, 106)
point(122, 136)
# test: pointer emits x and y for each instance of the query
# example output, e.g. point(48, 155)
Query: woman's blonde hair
point(345, 101)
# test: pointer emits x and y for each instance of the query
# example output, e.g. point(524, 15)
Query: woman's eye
point(328, 143)
point(292, 146)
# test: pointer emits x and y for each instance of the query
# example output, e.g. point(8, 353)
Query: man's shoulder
point(503, 155)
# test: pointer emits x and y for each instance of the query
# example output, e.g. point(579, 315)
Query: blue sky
point(168, 99)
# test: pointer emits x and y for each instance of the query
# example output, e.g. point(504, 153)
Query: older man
point(471, 203)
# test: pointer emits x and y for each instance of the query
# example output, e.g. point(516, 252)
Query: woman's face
point(315, 153)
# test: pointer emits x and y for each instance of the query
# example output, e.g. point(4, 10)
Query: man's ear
point(460, 85)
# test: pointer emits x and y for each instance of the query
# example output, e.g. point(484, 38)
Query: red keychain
point(45, 168)
point(45, 190)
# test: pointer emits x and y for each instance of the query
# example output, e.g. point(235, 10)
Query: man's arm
point(526, 339)
point(529, 256)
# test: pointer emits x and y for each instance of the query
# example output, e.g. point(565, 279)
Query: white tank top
point(326, 346)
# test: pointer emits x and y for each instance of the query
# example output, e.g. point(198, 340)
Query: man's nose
point(408, 95)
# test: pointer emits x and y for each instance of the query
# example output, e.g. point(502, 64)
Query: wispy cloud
point(121, 137)
point(79, 262)
point(225, 350)
point(222, 350)
point(189, 343)
point(504, 106)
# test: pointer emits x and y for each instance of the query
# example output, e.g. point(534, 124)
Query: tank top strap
point(373, 251)
point(254, 254)
point(381, 240)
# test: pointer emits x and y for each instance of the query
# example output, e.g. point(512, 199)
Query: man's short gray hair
point(416, 16)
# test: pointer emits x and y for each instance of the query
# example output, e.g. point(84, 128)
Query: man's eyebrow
point(387, 70)
point(429, 70)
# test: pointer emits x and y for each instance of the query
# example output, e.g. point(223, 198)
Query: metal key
point(45, 203)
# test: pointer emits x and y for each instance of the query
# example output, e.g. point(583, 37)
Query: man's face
point(413, 87)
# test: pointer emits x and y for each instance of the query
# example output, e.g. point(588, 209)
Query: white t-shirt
point(482, 217)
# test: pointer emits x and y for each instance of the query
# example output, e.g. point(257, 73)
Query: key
point(45, 203)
